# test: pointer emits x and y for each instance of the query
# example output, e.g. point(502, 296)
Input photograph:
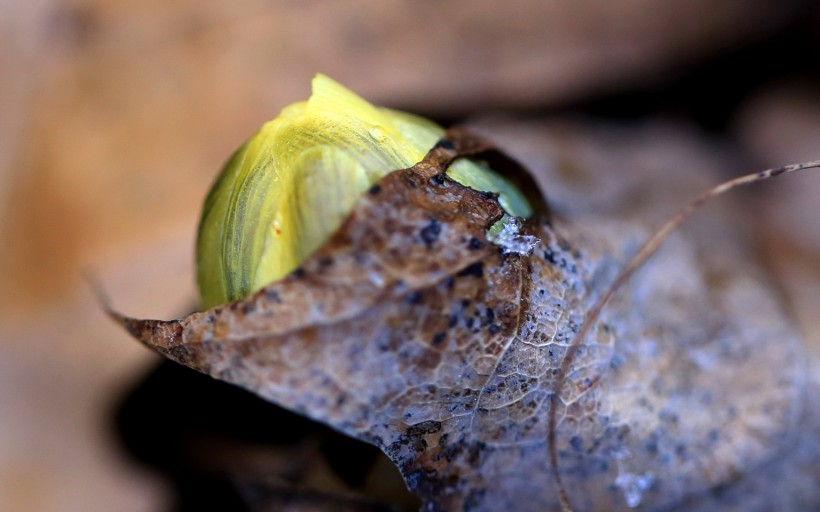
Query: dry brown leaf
point(411, 330)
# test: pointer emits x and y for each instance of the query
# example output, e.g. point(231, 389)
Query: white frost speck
point(511, 241)
point(633, 486)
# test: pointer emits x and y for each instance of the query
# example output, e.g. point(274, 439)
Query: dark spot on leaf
point(429, 360)
point(475, 453)
point(412, 180)
point(490, 196)
point(475, 270)
point(438, 180)
point(425, 427)
point(444, 144)
point(453, 320)
point(668, 416)
point(452, 450)
point(438, 338)
point(429, 234)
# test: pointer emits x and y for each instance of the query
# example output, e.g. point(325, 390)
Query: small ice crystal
point(633, 487)
point(510, 239)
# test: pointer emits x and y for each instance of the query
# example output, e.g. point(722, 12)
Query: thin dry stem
point(647, 250)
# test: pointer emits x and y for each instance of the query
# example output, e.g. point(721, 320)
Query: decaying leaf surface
point(411, 330)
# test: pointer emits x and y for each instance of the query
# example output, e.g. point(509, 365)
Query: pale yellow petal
point(292, 184)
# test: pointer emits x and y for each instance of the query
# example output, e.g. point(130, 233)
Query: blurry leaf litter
point(416, 330)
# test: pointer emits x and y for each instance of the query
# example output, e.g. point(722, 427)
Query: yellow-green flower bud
point(291, 185)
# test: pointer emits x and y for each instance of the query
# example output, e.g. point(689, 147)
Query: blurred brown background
point(116, 115)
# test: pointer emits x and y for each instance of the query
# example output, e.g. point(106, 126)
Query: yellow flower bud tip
point(291, 185)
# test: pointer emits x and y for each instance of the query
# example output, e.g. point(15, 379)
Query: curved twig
point(646, 251)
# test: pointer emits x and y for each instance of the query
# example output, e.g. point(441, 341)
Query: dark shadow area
point(215, 442)
point(710, 94)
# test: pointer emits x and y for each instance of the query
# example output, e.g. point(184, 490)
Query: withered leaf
point(411, 330)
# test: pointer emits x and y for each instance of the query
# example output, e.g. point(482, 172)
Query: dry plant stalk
point(633, 265)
